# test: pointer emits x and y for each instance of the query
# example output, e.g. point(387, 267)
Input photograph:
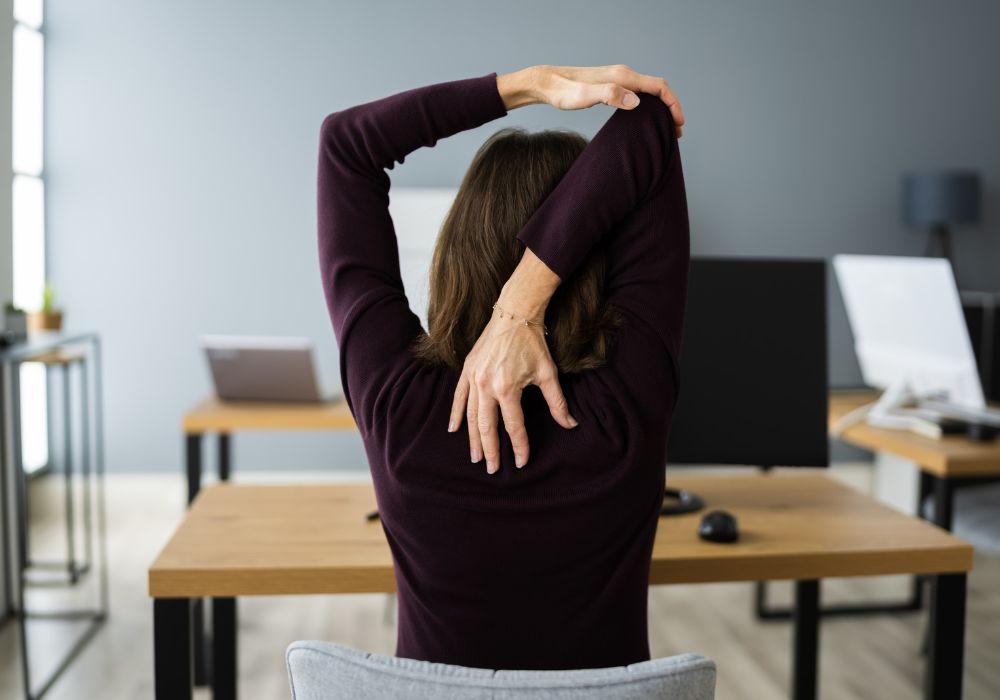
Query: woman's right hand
point(574, 87)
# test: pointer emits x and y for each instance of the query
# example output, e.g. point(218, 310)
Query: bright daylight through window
point(28, 202)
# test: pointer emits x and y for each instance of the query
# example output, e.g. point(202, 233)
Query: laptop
point(264, 368)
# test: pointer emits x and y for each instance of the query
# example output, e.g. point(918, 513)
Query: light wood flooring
point(862, 658)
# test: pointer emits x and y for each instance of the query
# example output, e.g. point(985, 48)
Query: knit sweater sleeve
point(626, 189)
point(358, 251)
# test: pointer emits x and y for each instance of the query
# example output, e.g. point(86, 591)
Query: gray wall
point(6, 85)
point(6, 249)
point(182, 152)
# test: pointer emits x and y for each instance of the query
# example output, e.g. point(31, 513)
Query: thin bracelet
point(525, 321)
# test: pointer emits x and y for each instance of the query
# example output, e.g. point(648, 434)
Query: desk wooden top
point(952, 455)
point(59, 356)
point(276, 540)
point(213, 415)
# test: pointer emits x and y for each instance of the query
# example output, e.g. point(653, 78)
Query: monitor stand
point(884, 413)
point(887, 412)
point(890, 412)
point(930, 415)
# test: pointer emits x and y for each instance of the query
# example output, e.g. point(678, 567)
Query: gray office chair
point(327, 671)
point(976, 516)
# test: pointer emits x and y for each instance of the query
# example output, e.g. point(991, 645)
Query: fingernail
point(573, 422)
point(491, 468)
point(520, 462)
point(451, 425)
point(631, 100)
point(476, 455)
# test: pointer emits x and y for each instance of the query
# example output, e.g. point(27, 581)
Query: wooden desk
point(943, 463)
point(951, 456)
point(225, 418)
point(58, 357)
point(277, 540)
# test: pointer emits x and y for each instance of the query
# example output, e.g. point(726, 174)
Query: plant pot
point(45, 321)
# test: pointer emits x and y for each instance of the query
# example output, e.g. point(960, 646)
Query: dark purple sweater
point(544, 567)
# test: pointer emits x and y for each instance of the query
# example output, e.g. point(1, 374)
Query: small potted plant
point(49, 318)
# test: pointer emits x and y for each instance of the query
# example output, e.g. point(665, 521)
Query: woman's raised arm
point(621, 165)
point(358, 251)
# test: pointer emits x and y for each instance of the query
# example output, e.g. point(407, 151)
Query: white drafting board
point(417, 215)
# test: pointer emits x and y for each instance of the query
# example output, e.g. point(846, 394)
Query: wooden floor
point(862, 658)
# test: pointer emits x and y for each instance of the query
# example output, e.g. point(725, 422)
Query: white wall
point(182, 138)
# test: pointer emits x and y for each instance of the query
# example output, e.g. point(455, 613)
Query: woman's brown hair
point(477, 250)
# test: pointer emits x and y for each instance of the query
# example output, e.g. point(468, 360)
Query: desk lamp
point(939, 200)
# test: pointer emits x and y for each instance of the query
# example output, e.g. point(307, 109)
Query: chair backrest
point(327, 671)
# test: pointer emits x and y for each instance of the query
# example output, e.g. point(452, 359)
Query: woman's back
point(541, 567)
point(545, 566)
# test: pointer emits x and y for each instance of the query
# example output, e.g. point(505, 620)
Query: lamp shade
point(941, 198)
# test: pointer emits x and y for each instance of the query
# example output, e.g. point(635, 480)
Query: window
point(28, 216)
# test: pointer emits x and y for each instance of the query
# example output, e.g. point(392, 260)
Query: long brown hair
point(477, 250)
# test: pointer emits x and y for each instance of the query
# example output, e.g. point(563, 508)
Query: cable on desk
point(853, 416)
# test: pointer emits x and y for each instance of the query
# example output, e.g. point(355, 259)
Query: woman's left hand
point(580, 87)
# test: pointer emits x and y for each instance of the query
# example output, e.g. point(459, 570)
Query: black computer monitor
point(753, 378)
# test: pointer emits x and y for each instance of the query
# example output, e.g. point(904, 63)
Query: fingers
point(472, 420)
point(654, 85)
point(661, 88)
point(513, 423)
point(556, 400)
point(486, 420)
point(603, 80)
point(458, 403)
point(611, 94)
point(633, 81)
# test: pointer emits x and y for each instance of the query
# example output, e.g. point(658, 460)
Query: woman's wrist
point(519, 88)
point(520, 304)
point(530, 287)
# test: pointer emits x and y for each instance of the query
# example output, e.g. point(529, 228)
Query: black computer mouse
point(718, 526)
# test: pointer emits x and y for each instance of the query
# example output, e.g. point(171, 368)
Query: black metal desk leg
point(192, 442)
point(805, 640)
point(172, 648)
point(944, 500)
point(947, 636)
point(224, 648)
point(202, 670)
point(224, 451)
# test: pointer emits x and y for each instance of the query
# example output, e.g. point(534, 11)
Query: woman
point(546, 566)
